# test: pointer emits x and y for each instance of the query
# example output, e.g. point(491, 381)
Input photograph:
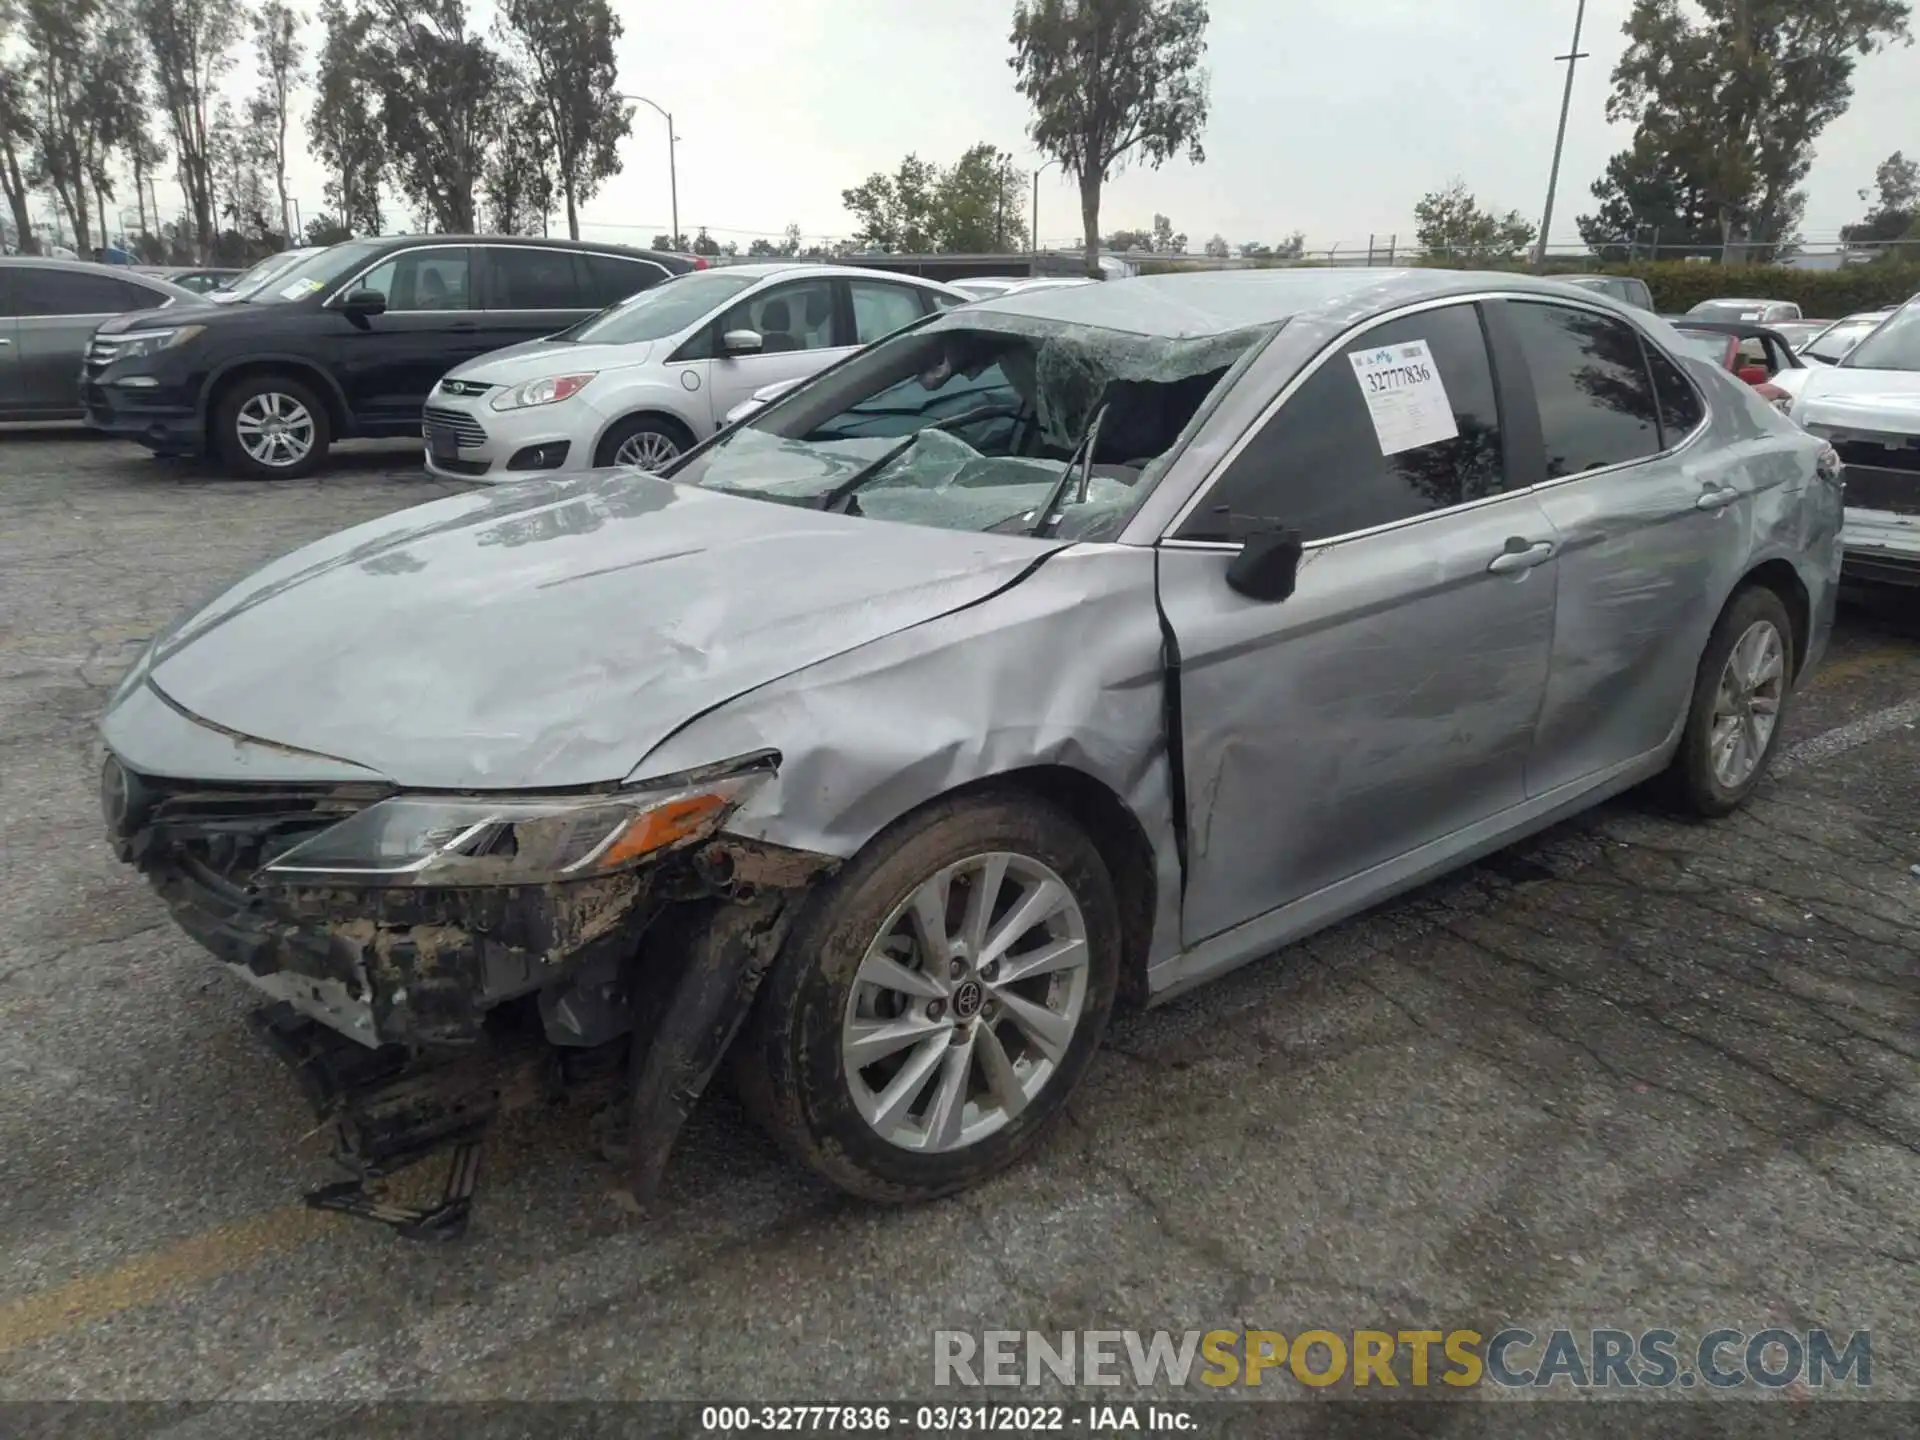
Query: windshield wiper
point(1083, 454)
point(845, 489)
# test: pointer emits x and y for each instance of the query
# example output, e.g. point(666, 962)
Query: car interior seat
point(776, 322)
point(431, 291)
point(819, 318)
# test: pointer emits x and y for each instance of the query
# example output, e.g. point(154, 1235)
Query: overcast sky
point(1329, 116)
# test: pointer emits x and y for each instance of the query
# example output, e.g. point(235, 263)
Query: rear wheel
point(1740, 698)
point(271, 427)
point(937, 1001)
point(643, 442)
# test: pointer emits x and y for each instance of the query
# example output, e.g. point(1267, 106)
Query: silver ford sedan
point(1068, 649)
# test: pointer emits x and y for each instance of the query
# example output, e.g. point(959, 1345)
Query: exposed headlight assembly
point(458, 840)
point(549, 390)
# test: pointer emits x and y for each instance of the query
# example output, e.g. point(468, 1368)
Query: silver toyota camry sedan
point(1065, 650)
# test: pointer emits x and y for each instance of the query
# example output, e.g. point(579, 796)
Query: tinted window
point(74, 292)
point(1318, 464)
point(615, 279)
point(422, 280)
point(1681, 408)
point(880, 309)
point(1590, 378)
point(787, 317)
point(523, 278)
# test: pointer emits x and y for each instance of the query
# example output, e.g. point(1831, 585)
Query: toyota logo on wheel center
point(967, 997)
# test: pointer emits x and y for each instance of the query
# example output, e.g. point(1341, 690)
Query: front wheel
point(937, 1001)
point(271, 427)
point(642, 442)
point(1740, 700)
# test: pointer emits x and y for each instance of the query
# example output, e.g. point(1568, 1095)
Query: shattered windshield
point(976, 421)
point(1894, 346)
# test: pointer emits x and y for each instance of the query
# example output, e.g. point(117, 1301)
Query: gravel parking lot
point(1634, 1073)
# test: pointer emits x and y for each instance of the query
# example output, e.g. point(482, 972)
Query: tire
point(1695, 784)
point(258, 452)
point(815, 1102)
point(655, 437)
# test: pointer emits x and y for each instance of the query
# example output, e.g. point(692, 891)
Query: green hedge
point(1820, 294)
point(1678, 286)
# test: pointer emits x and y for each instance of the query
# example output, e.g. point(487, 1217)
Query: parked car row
point(581, 363)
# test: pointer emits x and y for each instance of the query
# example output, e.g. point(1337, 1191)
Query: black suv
point(347, 343)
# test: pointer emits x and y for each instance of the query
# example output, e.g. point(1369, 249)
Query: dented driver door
point(1388, 703)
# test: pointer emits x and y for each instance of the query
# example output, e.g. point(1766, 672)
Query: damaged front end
point(430, 961)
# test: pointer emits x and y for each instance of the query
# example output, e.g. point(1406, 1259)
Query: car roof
point(1199, 303)
point(537, 242)
point(94, 267)
point(764, 269)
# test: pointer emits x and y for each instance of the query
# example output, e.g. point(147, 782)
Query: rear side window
point(1322, 464)
point(1591, 382)
point(1681, 408)
point(75, 292)
point(614, 279)
point(879, 309)
point(526, 278)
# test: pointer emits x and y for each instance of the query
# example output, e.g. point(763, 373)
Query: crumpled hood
point(1885, 400)
point(537, 359)
point(550, 633)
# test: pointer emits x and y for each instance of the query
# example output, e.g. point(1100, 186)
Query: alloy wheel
point(1746, 705)
point(966, 1002)
point(274, 429)
point(646, 450)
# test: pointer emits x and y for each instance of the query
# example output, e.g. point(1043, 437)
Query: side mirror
point(1754, 374)
point(1267, 566)
point(364, 304)
point(741, 342)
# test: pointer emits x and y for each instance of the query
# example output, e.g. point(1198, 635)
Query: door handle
point(1521, 554)
point(4, 343)
point(462, 327)
point(1717, 498)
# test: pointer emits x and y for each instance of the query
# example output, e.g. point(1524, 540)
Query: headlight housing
point(137, 344)
point(458, 840)
point(549, 390)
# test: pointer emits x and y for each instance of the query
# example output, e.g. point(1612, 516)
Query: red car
point(1754, 353)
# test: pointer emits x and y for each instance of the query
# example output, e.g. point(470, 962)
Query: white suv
point(647, 379)
point(1868, 407)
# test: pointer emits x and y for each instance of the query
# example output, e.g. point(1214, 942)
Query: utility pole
point(1571, 60)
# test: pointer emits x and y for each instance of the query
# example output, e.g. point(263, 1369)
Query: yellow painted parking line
point(240, 1245)
point(147, 1278)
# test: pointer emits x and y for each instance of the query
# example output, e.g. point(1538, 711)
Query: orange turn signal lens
point(656, 829)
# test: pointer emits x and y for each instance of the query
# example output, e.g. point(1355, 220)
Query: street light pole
point(1572, 60)
point(673, 178)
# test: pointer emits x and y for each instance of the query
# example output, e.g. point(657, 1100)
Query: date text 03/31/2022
point(945, 1419)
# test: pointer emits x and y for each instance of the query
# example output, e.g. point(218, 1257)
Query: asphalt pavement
point(1633, 1073)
